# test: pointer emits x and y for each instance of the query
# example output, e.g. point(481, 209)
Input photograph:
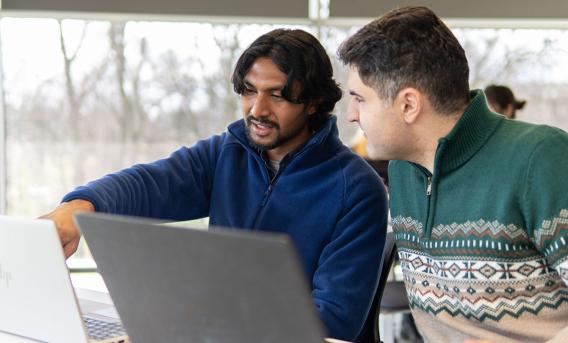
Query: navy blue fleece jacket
point(327, 199)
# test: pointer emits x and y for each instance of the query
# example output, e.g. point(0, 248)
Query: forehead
point(355, 83)
point(353, 76)
point(264, 73)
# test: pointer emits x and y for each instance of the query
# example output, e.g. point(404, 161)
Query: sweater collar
point(469, 134)
point(328, 131)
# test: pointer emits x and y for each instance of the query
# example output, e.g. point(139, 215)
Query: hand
point(62, 216)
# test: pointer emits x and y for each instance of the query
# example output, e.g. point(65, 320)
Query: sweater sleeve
point(175, 188)
point(546, 200)
point(347, 274)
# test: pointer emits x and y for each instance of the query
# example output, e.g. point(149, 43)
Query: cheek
point(367, 119)
point(375, 127)
point(246, 106)
point(286, 114)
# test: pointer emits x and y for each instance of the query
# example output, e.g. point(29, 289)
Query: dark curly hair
point(410, 47)
point(302, 58)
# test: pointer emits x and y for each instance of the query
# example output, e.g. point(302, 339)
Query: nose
point(352, 112)
point(261, 106)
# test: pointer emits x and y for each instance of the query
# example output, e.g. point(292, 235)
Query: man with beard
point(478, 202)
point(281, 169)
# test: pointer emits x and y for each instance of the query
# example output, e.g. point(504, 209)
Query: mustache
point(251, 119)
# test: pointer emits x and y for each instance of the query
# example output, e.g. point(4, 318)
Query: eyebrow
point(271, 89)
point(353, 93)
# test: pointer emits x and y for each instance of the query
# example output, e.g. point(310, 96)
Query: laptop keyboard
point(101, 330)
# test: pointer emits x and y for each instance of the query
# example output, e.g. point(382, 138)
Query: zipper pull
point(266, 195)
point(429, 186)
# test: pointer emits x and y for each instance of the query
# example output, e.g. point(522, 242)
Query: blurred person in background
point(502, 100)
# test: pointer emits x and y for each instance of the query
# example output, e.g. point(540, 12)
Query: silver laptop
point(173, 284)
point(37, 299)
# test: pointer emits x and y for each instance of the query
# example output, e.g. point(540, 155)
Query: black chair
point(389, 297)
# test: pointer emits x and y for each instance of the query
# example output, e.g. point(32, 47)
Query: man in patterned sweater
point(479, 203)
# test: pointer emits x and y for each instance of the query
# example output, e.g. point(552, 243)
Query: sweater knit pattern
point(482, 239)
point(475, 286)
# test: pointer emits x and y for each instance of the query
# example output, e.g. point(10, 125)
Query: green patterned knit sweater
point(483, 240)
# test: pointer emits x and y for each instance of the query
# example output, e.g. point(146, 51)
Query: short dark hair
point(410, 47)
point(302, 58)
point(503, 96)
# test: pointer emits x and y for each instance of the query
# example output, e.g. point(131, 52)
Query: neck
point(437, 126)
point(278, 153)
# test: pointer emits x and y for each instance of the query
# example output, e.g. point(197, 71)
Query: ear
point(410, 102)
point(311, 108)
point(508, 111)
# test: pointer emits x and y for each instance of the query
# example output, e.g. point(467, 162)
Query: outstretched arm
point(174, 188)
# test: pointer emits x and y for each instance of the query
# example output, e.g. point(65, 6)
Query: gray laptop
point(173, 284)
point(37, 299)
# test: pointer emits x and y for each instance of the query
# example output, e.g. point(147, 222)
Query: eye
point(248, 91)
point(358, 99)
point(277, 97)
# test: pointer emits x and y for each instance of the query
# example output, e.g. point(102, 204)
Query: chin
point(262, 144)
point(374, 154)
point(264, 141)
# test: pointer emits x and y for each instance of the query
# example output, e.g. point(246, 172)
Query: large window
point(84, 98)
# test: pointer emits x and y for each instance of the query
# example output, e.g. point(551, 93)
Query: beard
point(281, 137)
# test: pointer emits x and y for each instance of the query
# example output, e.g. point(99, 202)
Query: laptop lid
point(37, 301)
point(185, 285)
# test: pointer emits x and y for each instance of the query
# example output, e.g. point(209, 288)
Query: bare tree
point(222, 98)
point(179, 86)
point(73, 125)
point(492, 59)
point(129, 113)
